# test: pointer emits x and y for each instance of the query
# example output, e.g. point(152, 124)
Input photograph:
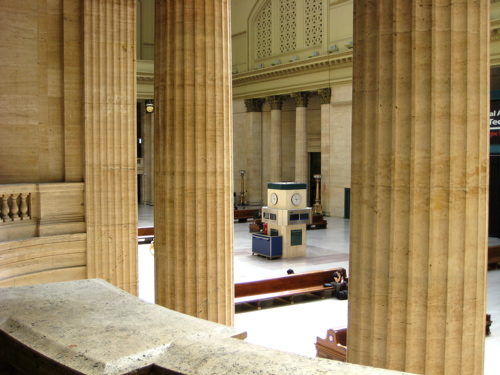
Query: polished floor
point(294, 328)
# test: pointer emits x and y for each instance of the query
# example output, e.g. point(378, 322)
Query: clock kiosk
point(286, 217)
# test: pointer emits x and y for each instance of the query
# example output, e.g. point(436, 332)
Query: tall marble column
point(254, 151)
point(193, 166)
point(275, 153)
point(110, 141)
point(419, 186)
point(301, 159)
point(325, 95)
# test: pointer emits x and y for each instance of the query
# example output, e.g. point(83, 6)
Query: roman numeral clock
point(287, 216)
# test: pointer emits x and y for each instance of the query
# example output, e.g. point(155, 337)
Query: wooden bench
point(243, 215)
point(493, 256)
point(146, 234)
point(254, 226)
point(285, 287)
point(334, 346)
point(317, 222)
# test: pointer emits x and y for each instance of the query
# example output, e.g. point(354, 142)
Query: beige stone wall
point(41, 132)
point(288, 140)
point(51, 109)
point(41, 92)
point(340, 149)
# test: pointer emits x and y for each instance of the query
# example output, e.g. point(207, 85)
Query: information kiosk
point(287, 216)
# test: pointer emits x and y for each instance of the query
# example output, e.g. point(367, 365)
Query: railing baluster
point(24, 206)
point(5, 207)
point(14, 208)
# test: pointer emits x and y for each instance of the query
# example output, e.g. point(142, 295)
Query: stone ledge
point(91, 327)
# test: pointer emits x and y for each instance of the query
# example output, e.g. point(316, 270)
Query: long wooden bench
point(285, 287)
point(243, 215)
point(146, 234)
point(334, 346)
point(493, 256)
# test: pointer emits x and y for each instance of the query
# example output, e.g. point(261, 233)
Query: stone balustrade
point(15, 204)
point(33, 210)
point(42, 233)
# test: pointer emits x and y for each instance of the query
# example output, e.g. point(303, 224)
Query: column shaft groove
point(193, 167)
point(419, 186)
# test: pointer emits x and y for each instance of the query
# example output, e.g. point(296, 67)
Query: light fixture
point(242, 200)
point(333, 48)
point(150, 105)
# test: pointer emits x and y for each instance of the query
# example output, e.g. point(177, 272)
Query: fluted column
point(254, 151)
point(193, 150)
point(419, 186)
point(148, 157)
point(325, 96)
point(110, 141)
point(275, 153)
point(301, 159)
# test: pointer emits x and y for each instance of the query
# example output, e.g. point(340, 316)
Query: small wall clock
point(296, 199)
point(274, 198)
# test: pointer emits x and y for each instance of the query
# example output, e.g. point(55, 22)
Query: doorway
point(314, 168)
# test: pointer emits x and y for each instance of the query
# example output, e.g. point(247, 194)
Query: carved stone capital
point(275, 101)
point(301, 98)
point(254, 105)
point(325, 95)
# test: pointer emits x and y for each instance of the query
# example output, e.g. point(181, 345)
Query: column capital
point(275, 101)
point(301, 98)
point(254, 104)
point(325, 94)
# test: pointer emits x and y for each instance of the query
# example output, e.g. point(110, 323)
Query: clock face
point(274, 198)
point(296, 199)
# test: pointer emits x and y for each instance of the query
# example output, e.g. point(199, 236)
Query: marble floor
point(294, 328)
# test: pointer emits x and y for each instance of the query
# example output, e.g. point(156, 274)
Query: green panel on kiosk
point(287, 185)
point(296, 237)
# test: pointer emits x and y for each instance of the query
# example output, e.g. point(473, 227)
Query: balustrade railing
point(15, 206)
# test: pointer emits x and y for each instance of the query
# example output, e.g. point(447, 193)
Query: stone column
point(419, 186)
point(193, 166)
point(276, 103)
point(325, 95)
point(110, 141)
point(301, 159)
point(254, 151)
point(148, 157)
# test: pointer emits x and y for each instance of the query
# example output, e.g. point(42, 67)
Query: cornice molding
point(145, 79)
point(335, 61)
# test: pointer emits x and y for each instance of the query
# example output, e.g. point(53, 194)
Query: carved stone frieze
point(340, 61)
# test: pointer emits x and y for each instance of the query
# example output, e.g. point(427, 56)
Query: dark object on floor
point(342, 294)
point(488, 323)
